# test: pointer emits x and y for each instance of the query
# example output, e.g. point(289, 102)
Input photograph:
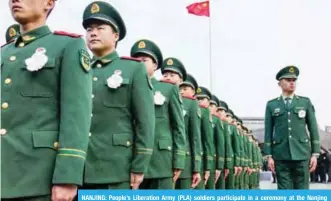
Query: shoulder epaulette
point(189, 97)
point(273, 99)
point(7, 43)
point(131, 58)
point(167, 81)
point(203, 106)
point(63, 33)
point(303, 97)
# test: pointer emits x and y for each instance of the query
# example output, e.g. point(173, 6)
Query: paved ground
point(269, 185)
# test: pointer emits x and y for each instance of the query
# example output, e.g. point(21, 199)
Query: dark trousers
point(36, 198)
point(157, 183)
point(292, 174)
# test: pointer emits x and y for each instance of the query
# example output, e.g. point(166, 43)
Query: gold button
point(201, 153)
point(128, 143)
point(56, 145)
point(7, 81)
point(21, 44)
point(289, 128)
point(289, 121)
point(187, 153)
point(4, 105)
point(3, 131)
point(306, 140)
point(89, 134)
point(214, 155)
point(12, 58)
point(289, 113)
point(169, 148)
point(274, 142)
point(290, 136)
point(99, 65)
point(91, 115)
point(95, 78)
point(92, 95)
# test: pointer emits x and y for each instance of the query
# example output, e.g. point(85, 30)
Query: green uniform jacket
point(235, 139)
point(242, 149)
point(45, 115)
point(286, 135)
point(170, 142)
point(207, 140)
point(219, 140)
point(250, 153)
point(193, 135)
point(229, 156)
point(246, 151)
point(123, 121)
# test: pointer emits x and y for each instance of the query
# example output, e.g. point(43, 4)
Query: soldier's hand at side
point(271, 164)
point(245, 169)
point(313, 164)
point(240, 169)
point(236, 170)
point(176, 174)
point(226, 173)
point(217, 175)
point(64, 192)
point(196, 178)
point(136, 180)
point(207, 175)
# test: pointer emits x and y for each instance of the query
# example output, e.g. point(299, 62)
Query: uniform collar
point(31, 36)
point(100, 62)
point(291, 97)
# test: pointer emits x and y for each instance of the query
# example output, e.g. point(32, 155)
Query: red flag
point(199, 8)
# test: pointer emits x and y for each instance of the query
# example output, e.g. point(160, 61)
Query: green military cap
point(288, 72)
point(103, 11)
point(239, 121)
point(229, 113)
point(147, 47)
point(174, 65)
point(214, 100)
point(12, 32)
point(244, 128)
point(203, 92)
point(190, 81)
point(223, 105)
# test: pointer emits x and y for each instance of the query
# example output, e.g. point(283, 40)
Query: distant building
point(328, 128)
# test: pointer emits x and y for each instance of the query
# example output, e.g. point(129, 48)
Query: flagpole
point(210, 47)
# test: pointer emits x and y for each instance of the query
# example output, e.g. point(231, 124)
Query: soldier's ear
point(154, 66)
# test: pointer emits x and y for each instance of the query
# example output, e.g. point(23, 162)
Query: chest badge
point(302, 114)
point(159, 98)
point(37, 61)
point(115, 80)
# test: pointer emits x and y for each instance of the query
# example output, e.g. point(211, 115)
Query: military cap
point(214, 100)
point(230, 113)
point(203, 92)
point(190, 81)
point(288, 72)
point(174, 65)
point(147, 47)
point(12, 32)
point(244, 128)
point(239, 121)
point(222, 105)
point(103, 11)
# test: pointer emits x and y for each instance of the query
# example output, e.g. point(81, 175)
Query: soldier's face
point(229, 119)
point(186, 91)
point(173, 77)
point(101, 37)
point(213, 108)
point(288, 84)
point(222, 113)
point(25, 11)
point(149, 63)
point(204, 101)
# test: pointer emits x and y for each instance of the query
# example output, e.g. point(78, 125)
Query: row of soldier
point(109, 124)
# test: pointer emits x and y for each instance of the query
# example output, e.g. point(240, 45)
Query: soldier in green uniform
point(190, 177)
point(226, 179)
point(250, 159)
point(207, 139)
point(46, 91)
point(291, 153)
point(219, 141)
point(169, 139)
point(240, 155)
point(232, 130)
point(12, 32)
point(173, 71)
point(123, 120)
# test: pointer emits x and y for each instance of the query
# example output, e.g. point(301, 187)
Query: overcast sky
point(250, 41)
